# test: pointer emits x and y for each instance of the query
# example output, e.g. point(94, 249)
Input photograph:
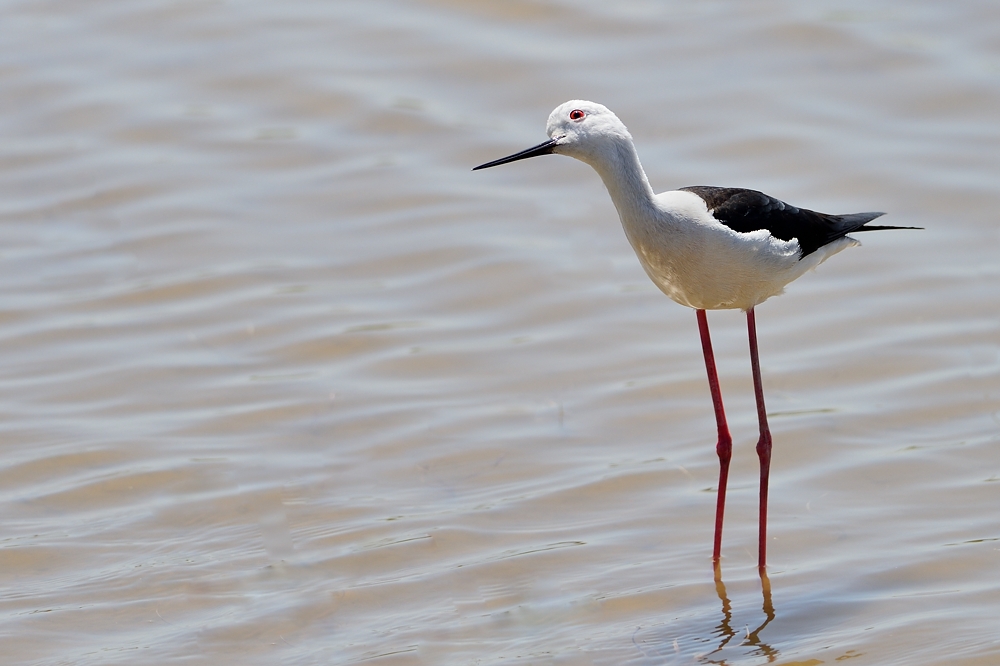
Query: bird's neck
point(626, 181)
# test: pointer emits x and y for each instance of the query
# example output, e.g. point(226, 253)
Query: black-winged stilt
point(709, 248)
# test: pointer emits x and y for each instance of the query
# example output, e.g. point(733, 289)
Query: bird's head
point(577, 128)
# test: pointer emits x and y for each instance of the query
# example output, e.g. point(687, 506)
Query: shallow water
point(285, 382)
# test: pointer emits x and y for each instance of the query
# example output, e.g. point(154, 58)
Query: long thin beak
point(540, 149)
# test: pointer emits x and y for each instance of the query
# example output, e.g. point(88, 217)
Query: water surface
point(285, 382)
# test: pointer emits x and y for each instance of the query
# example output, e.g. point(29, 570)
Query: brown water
point(285, 383)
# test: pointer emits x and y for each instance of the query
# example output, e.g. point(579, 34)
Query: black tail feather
point(880, 227)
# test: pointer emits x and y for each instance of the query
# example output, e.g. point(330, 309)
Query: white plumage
point(691, 256)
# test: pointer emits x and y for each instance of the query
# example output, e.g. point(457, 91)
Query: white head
point(584, 130)
point(588, 131)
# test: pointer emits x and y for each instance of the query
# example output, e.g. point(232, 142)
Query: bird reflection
point(725, 630)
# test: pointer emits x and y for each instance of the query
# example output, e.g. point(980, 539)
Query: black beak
point(540, 149)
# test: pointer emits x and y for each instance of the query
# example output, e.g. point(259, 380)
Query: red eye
point(576, 114)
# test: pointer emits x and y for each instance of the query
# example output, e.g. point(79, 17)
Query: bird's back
point(744, 211)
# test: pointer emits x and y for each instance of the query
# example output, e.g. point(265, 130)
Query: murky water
point(284, 382)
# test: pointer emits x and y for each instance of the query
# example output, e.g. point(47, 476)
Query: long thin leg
point(724, 447)
point(764, 443)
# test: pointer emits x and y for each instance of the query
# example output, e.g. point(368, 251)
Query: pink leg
point(764, 443)
point(724, 447)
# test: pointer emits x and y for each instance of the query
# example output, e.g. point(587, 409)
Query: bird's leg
point(724, 447)
point(764, 443)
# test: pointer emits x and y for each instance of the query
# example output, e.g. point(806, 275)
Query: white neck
point(625, 179)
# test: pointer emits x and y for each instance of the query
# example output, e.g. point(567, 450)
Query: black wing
point(749, 210)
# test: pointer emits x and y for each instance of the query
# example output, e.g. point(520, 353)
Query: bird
point(707, 248)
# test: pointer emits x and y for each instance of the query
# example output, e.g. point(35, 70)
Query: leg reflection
point(724, 630)
point(753, 638)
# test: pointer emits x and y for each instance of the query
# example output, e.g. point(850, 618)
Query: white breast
point(701, 263)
